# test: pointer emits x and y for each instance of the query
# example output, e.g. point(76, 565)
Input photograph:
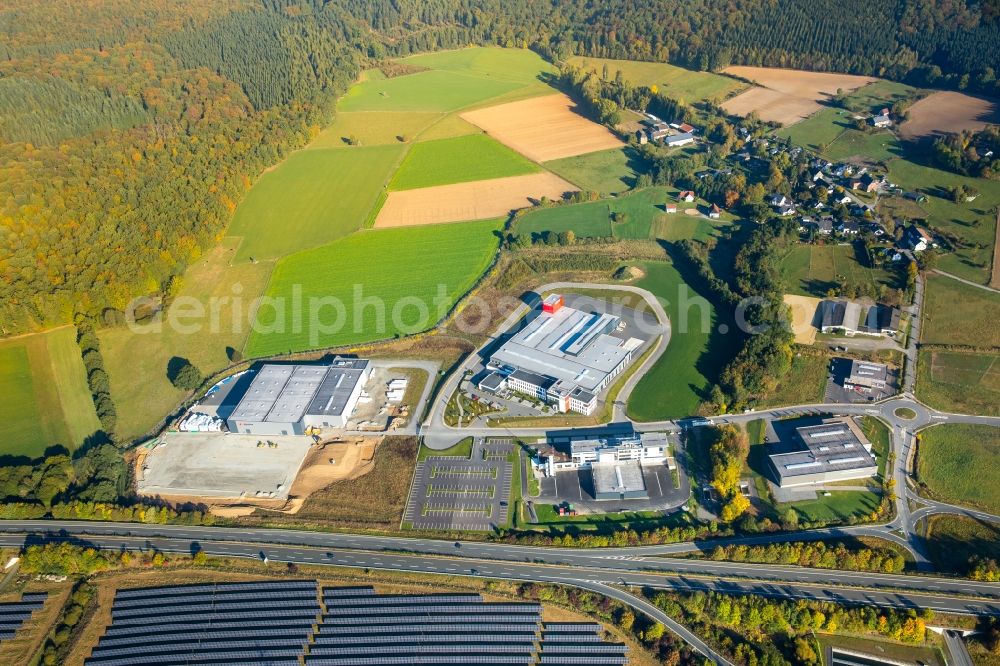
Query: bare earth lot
point(803, 310)
point(948, 112)
point(543, 128)
point(478, 200)
point(787, 95)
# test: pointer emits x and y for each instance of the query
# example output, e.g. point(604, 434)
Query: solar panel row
point(222, 588)
point(397, 599)
point(370, 611)
point(13, 614)
point(260, 624)
point(470, 648)
point(398, 628)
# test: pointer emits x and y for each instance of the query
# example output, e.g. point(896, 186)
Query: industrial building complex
point(289, 399)
point(615, 463)
point(564, 357)
point(833, 450)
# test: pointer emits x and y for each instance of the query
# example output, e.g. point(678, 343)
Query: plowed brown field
point(543, 128)
point(478, 200)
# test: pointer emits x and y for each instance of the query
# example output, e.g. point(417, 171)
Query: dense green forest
point(130, 129)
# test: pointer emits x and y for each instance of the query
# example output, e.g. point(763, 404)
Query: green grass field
point(46, 398)
point(373, 128)
point(953, 540)
point(413, 275)
point(606, 171)
point(516, 65)
point(459, 160)
point(878, 95)
point(433, 90)
point(817, 131)
point(673, 81)
point(957, 464)
point(804, 383)
point(959, 314)
point(973, 223)
point(310, 199)
point(644, 218)
point(963, 382)
point(866, 146)
point(679, 381)
point(137, 361)
point(811, 270)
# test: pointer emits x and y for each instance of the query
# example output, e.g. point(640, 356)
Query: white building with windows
point(648, 448)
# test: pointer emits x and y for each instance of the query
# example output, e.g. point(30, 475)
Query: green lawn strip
point(429, 91)
point(963, 382)
point(459, 160)
point(606, 171)
point(947, 301)
point(972, 222)
point(956, 463)
point(462, 449)
point(879, 435)
point(675, 82)
point(680, 379)
point(310, 199)
point(373, 285)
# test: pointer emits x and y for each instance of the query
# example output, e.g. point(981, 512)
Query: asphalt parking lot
point(452, 493)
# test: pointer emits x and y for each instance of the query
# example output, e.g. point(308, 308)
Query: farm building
point(839, 316)
point(289, 399)
point(686, 195)
point(834, 450)
point(881, 320)
point(678, 140)
point(714, 212)
point(670, 208)
point(563, 357)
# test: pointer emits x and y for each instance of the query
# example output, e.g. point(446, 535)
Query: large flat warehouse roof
point(568, 345)
point(285, 393)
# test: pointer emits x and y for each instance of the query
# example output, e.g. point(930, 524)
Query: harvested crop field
point(947, 113)
point(478, 200)
point(787, 95)
point(543, 128)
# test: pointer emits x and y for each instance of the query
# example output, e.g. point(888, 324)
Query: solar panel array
point(291, 622)
point(264, 622)
point(361, 628)
point(13, 614)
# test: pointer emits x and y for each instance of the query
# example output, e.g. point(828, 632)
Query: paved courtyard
point(454, 493)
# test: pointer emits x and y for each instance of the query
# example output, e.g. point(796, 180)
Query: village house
point(714, 212)
point(917, 239)
point(882, 119)
point(670, 207)
point(686, 195)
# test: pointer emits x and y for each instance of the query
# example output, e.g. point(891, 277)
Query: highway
point(639, 565)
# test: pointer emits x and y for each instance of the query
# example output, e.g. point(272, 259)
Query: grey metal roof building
point(287, 399)
point(867, 376)
point(839, 315)
point(618, 481)
point(834, 450)
point(882, 319)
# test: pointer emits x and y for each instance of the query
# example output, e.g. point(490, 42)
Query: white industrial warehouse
point(563, 356)
point(289, 399)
